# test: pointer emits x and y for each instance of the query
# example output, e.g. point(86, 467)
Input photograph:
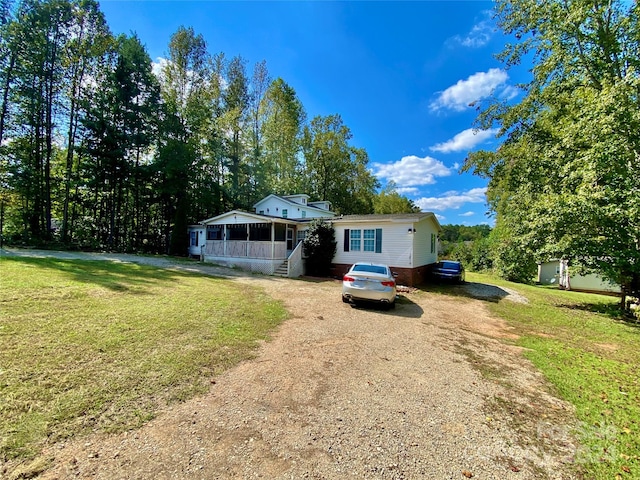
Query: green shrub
point(319, 248)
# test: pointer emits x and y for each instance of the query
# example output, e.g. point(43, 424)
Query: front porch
point(265, 247)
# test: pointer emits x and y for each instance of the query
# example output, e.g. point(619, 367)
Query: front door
point(289, 240)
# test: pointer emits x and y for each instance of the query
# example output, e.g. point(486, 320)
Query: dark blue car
point(448, 270)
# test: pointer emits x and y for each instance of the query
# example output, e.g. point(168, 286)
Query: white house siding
point(233, 218)
point(397, 247)
point(422, 254)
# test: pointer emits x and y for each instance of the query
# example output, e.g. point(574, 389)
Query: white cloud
point(509, 92)
point(467, 214)
point(465, 140)
point(451, 200)
point(479, 35)
point(408, 190)
point(411, 171)
point(466, 92)
point(440, 217)
point(158, 66)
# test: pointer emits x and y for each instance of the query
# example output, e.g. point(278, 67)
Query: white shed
point(559, 272)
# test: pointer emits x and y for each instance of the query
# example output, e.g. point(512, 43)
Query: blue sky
point(401, 74)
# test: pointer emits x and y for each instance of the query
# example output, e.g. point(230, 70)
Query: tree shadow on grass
point(115, 276)
point(472, 290)
point(611, 310)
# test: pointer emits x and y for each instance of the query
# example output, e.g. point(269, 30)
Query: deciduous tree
point(284, 117)
point(335, 170)
point(390, 201)
point(564, 182)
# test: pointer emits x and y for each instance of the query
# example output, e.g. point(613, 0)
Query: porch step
point(281, 271)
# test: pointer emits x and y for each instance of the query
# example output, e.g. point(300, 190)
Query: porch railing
point(245, 249)
point(295, 266)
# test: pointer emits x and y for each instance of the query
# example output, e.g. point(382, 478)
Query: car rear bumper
point(387, 295)
point(443, 274)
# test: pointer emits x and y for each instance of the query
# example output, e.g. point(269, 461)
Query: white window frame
point(355, 241)
point(371, 246)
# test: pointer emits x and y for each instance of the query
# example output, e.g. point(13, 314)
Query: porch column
point(224, 240)
point(273, 240)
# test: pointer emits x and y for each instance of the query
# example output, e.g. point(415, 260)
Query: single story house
point(558, 272)
point(269, 240)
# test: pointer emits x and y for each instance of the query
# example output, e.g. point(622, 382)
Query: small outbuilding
point(559, 272)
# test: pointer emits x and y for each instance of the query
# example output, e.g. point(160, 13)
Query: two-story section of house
point(295, 207)
point(266, 240)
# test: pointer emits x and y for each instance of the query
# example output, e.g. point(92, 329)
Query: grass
point(102, 346)
point(591, 357)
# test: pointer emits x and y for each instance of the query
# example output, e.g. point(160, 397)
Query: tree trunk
point(5, 95)
point(71, 141)
point(50, 98)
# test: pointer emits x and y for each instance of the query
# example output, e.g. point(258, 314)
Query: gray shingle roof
point(410, 217)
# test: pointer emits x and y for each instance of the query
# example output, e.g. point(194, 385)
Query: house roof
point(371, 218)
point(254, 216)
point(286, 200)
point(389, 217)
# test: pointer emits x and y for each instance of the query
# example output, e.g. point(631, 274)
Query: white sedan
point(369, 282)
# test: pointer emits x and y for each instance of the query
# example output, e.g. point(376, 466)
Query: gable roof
point(249, 215)
point(309, 205)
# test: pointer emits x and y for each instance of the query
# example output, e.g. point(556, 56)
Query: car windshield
point(450, 265)
point(370, 269)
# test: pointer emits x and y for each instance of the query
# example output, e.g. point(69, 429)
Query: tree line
point(469, 244)
point(565, 180)
point(100, 148)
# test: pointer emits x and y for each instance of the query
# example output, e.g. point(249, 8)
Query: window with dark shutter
point(346, 239)
point(378, 240)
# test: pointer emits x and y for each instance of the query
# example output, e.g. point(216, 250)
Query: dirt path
point(428, 390)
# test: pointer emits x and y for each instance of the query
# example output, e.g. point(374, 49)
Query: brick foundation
point(409, 277)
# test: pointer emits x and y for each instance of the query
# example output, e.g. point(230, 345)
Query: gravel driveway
point(432, 390)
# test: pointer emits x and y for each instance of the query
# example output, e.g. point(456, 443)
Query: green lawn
point(592, 357)
point(91, 346)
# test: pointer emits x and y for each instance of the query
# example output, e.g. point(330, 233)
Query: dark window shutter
point(346, 239)
point(378, 240)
